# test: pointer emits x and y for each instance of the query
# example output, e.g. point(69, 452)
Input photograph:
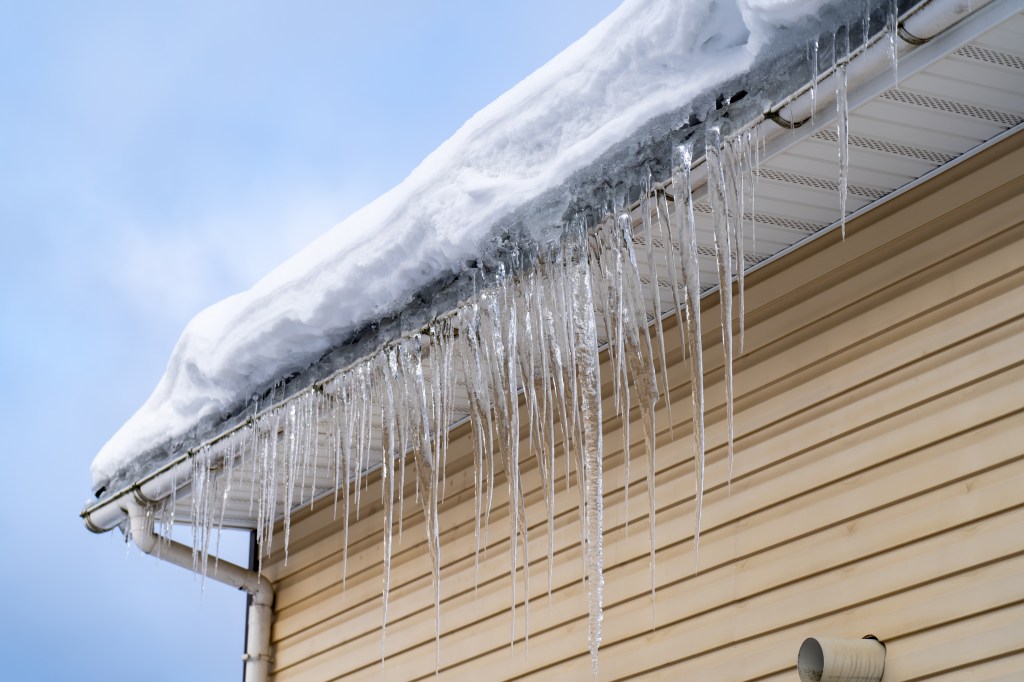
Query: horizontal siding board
point(880, 459)
point(1004, 668)
point(987, 635)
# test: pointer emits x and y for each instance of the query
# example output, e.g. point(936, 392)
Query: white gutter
point(869, 71)
point(110, 513)
point(261, 607)
point(872, 67)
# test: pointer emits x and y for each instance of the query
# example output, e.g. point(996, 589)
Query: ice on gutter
point(607, 107)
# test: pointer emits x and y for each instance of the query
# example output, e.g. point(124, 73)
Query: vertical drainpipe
point(253, 566)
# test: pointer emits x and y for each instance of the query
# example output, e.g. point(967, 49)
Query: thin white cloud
point(174, 270)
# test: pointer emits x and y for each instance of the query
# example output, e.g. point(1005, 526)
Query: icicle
point(747, 198)
point(719, 193)
point(865, 25)
point(814, 78)
point(344, 430)
point(892, 30)
point(608, 252)
point(316, 404)
point(556, 321)
point(588, 380)
point(735, 163)
point(262, 447)
point(501, 341)
point(547, 420)
point(404, 399)
point(447, 408)
point(201, 484)
point(487, 387)
point(308, 435)
point(640, 357)
point(534, 366)
point(474, 360)
point(270, 478)
point(435, 405)
point(645, 215)
point(672, 257)
point(691, 277)
point(468, 352)
point(386, 369)
point(558, 315)
point(255, 449)
point(291, 471)
point(363, 442)
point(225, 494)
point(753, 163)
point(842, 121)
point(426, 460)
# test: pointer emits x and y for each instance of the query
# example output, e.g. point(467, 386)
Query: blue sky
point(155, 158)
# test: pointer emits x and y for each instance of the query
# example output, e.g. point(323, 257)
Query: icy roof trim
point(594, 118)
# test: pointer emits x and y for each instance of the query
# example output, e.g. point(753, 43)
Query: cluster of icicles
point(521, 359)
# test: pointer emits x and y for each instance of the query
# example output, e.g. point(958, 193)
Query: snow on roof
point(645, 60)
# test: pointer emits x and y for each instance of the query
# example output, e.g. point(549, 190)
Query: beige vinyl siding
point(878, 488)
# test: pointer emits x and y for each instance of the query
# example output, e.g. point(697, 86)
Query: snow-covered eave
point(619, 170)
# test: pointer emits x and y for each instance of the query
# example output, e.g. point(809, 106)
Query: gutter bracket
point(908, 37)
point(777, 118)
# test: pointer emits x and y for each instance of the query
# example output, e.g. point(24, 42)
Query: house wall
point(878, 487)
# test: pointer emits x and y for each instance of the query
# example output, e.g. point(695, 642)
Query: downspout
point(261, 611)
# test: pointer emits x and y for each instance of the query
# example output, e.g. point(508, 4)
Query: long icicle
point(640, 357)
point(588, 379)
point(385, 371)
point(427, 471)
point(691, 277)
point(718, 190)
point(842, 56)
point(655, 288)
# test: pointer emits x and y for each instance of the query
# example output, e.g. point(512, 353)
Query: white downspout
point(261, 611)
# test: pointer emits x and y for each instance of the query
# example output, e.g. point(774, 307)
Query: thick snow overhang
point(960, 90)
